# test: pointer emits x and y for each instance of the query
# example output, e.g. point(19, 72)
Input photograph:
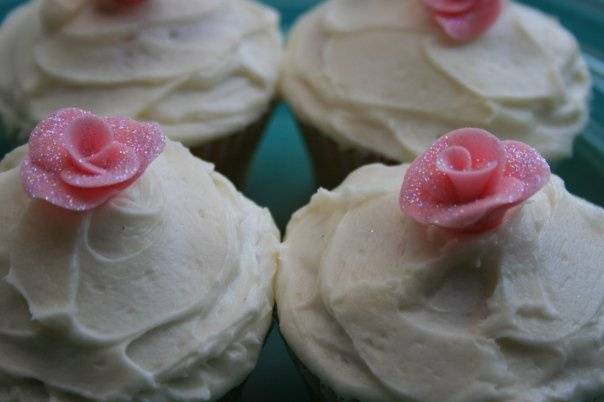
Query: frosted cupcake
point(206, 70)
point(487, 286)
point(380, 80)
point(120, 284)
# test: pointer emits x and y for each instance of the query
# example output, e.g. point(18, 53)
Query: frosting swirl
point(201, 68)
point(379, 75)
point(163, 293)
point(383, 308)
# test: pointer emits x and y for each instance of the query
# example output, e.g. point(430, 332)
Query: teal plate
point(281, 175)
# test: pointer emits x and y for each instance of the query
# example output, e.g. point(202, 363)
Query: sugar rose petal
point(121, 164)
point(46, 140)
point(44, 185)
point(465, 20)
point(84, 138)
point(78, 161)
point(145, 137)
point(469, 179)
point(450, 6)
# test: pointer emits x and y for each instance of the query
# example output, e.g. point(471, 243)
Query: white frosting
point(201, 68)
point(378, 75)
point(162, 294)
point(381, 308)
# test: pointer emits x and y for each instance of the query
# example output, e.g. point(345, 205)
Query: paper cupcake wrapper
point(332, 163)
point(233, 153)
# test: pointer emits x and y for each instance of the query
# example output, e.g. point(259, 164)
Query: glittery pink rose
point(79, 161)
point(465, 20)
point(468, 180)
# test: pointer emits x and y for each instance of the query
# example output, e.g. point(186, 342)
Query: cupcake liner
point(332, 163)
point(232, 154)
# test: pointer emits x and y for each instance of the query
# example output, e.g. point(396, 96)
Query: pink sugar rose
point(465, 20)
point(78, 161)
point(469, 179)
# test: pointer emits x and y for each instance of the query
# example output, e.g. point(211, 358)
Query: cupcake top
point(502, 301)
point(125, 284)
point(201, 68)
point(391, 76)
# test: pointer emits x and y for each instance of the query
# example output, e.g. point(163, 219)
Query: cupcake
point(481, 280)
point(206, 70)
point(131, 271)
point(380, 80)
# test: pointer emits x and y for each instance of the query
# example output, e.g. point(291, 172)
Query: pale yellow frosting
point(379, 75)
point(201, 68)
point(381, 308)
point(162, 294)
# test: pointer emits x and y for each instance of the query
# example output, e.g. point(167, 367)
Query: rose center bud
point(88, 141)
point(469, 181)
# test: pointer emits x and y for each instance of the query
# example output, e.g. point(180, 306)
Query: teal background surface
point(281, 175)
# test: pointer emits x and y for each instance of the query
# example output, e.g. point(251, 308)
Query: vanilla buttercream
point(162, 294)
point(380, 75)
point(382, 308)
point(201, 68)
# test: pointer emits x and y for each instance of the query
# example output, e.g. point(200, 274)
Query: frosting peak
point(469, 179)
point(78, 161)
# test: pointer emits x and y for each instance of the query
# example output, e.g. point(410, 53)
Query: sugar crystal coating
point(78, 161)
point(469, 179)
